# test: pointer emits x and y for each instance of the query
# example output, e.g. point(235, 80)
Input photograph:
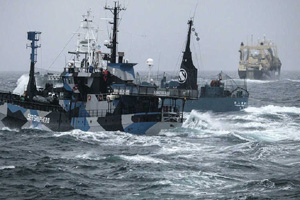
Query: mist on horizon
point(152, 29)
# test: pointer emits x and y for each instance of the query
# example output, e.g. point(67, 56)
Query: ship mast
point(113, 46)
point(33, 36)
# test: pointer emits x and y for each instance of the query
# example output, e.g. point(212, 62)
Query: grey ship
point(259, 61)
point(221, 95)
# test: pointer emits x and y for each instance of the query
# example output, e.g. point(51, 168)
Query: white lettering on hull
point(36, 118)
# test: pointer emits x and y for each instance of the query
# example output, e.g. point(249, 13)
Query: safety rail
point(153, 91)
point(8, 97)
point(172, 117)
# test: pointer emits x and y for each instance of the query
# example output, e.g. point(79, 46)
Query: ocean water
point(252, 154)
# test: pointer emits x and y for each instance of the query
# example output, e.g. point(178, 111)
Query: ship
point(259, 62)
point(97, 93)
point(221, 95)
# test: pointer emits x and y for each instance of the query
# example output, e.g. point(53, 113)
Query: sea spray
point(21, 84)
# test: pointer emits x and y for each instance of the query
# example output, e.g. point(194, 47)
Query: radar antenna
point(113, 43)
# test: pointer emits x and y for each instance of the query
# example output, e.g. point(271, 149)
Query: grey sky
point(153, 29)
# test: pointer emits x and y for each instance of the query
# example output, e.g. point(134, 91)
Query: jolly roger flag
point(188, 72)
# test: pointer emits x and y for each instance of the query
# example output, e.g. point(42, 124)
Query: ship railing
point(34, 106)
point(232, 87)
point(172, 116)
point(8, 97)
point(153, 91)
point(168, 115)
point(38, 106)
point(183, 93)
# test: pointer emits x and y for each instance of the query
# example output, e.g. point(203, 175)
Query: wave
point(89, 156)
point(143, 159)
point(83, 135)
point(269, 123)
point(117, 138)
point(260, 81)
point(273, 109)
point(296, 81)
point(9, 129)
point(205, 121)
point(7, 167)
point(21, 84)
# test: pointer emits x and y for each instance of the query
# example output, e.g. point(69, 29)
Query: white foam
point(271, 109)
point(7, 167)
point(206, 122)
point(21, 84)
point(112, 138)
point(8, 129)
point(143, 159)
point(84, 135)
point(296, 81)
point(260, 81)
point(88, 156)
point(269, 123)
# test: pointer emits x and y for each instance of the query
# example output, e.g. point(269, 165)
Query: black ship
point(98, 93)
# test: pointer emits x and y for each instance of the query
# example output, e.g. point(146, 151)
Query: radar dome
point(149, 61)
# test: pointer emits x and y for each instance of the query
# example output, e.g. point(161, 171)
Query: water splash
point(269, 123)
point(21, 84)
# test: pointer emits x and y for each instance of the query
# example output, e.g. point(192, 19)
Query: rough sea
point(251, 154)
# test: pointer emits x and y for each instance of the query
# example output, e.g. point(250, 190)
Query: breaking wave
point(7, 167)
point(271, 109)
point(21, 84)
point(268, 123)
point(143, 159)
point(260, 81)
point(296, 81)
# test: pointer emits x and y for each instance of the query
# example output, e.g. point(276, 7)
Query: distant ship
point(221, 95)
point(259, 61)
point(97, 92)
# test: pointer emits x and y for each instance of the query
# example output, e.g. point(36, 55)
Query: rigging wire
point(201, 65)
point(198, 67)
point(175, 69)
point(195, 10)
point(63, 49)
point(107, 23)
point(41, 51)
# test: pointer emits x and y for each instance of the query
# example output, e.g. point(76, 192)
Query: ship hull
point(256, 74)
point(17, 117)
point(217, 104)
